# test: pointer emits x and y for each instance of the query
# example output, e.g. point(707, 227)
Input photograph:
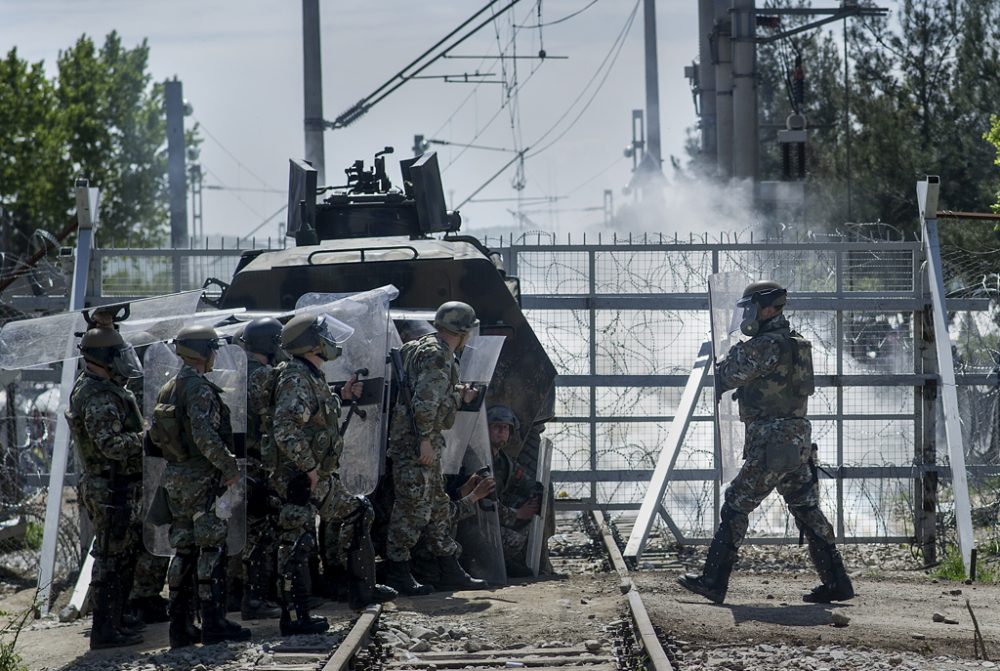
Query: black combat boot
point(295, 616)
point(128, 621)
point(255, 605)
point(105, 633)
point(454, 576)
point(829, 564)
point(363, 590)
point(150, 609)
point(215, 628)
point(714, 580)
point(183, 631)
point(425, 568)
point(399, 578)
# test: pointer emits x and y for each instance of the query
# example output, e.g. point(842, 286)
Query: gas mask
point(749, 323)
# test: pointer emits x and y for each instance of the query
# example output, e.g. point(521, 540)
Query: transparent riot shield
point(476, 365)
point(724, 289)
point(363, 422)
point(229, 373)
point(43, 340)
point(482, 544)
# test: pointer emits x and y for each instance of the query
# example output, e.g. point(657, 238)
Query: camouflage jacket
point(305, 419)
point(260, 391)
point(209, 433)
point(433, 373)
point(106, 425)
point(765, 369)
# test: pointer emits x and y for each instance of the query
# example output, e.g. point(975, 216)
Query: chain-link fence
point(623, 323)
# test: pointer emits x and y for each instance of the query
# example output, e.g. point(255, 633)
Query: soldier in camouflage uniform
point(146, 602)
point(415, 445)
point(518, 503)
point(261, 340)
point(107, 428)
point(193, 481)
point(308, 444)
point(773, 374)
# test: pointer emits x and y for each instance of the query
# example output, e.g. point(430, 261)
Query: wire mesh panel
point(646, 319)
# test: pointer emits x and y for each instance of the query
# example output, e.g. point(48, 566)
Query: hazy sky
point(241, 66)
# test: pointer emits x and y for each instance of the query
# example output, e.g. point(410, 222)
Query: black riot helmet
point(756, 296)
point(262, 336)
point(105, 347)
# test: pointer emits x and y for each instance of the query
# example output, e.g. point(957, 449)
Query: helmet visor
point(333, 330)
point(126, 363)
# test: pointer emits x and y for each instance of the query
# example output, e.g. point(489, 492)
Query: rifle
point(399, 372)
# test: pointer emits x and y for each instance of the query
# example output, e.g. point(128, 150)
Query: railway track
point(631, 641)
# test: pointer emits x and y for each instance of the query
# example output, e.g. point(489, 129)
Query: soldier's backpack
point(801, 378)
point(166, 429)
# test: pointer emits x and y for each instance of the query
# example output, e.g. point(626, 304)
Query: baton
point(354, 409)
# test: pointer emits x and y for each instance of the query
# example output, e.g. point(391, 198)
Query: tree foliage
point(100, 118)
point(922, 87)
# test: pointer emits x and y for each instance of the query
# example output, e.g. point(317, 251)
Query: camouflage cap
point(501, 414)
point(456, 317)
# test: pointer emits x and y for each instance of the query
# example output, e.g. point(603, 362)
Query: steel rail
point(355, 640)
point(646, 635)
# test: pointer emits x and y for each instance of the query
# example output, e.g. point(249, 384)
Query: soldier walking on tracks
point(415, 446)
point(774, 376)
point(106, 424)
point(199, 462)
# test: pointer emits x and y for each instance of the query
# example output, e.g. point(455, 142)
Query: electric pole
point(176, 177)
point(313, 89)
point(652, 87)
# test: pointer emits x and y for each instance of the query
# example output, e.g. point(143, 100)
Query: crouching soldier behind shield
point(200, 462)
point(774, 375)
point(106, 424)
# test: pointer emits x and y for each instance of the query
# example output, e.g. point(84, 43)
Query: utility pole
point(176, 177)
point(744, 89)
point(723, 89)
point(313, 89)
point(652, 86)
point(706, 81)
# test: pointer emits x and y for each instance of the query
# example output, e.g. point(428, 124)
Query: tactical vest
point(89, 389)
point(184, 388)
point(785, 391)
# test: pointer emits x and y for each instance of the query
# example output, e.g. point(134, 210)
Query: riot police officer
point(199, 463)
point(106, 424)
point(421, 505)
point(773, 373)
point(308, 444)
point(261, 340)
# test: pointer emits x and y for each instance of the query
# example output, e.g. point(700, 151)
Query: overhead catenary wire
point(562, 19)
point(400, 78)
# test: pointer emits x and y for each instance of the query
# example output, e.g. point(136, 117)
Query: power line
point(564, 18)
point(231, 155)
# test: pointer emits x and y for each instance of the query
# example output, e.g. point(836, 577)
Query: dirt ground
point(892, 612)
point(570, 611)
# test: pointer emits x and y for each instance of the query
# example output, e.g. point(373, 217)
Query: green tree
point(100, 118)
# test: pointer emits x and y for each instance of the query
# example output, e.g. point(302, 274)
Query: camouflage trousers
point(116, 528)
point(341, 514)
point(297, 516)
point(421, 506)
point(756, 480)
point(150, 574)
point(195, 529)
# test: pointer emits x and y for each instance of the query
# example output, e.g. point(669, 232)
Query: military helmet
point(764, 293)
point(262, 336)
point(456, 317)
point(307, 331)
point(196, 342)
point(105, 347)
point(501, 414)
